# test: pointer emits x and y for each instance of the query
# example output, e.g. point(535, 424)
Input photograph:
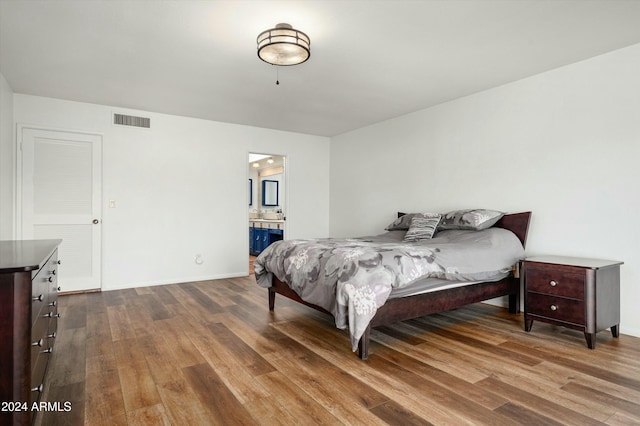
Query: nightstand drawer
point(556, 308)
point(558, 283)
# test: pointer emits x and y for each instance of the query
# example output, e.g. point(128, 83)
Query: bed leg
point(363, 344)
point(514, 298)
point(514, 303)
point(272, 299)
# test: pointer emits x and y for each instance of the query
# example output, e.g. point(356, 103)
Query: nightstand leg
point(527, 324)
point(615, 330)
point(591, 340)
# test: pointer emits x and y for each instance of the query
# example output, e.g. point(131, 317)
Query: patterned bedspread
point(351, 278)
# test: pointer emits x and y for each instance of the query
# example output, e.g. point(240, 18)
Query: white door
point(59, 196)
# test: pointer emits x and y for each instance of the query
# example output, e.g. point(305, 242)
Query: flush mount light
point(284, 46)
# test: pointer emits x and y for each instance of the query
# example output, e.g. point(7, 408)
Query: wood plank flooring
point(211, 353)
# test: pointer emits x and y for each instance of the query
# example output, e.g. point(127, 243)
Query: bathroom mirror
point(269, 192)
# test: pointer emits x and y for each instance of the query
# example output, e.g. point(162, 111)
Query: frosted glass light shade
point(284, 46)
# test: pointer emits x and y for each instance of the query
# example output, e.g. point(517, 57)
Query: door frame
point(285, 179)
point(20, 127)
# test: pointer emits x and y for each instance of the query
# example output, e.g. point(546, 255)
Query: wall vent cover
point(130, 120)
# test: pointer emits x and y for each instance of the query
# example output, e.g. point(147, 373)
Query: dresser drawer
point(50, 272)
point(41, 348)
point(39, 338)
point(39, 298)
point(37, 375)
point(557, 283)
point(556, 308)
point(44, 285)
point(52, 331)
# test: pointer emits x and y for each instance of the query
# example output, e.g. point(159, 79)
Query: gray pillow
point(404, 222)
point(473, 219)
point(421, 228)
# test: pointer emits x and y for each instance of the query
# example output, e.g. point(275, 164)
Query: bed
point(454, 288)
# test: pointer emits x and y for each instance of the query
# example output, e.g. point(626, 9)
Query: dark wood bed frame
point(405, 308)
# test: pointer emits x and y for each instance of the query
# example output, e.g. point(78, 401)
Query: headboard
point(518, 223)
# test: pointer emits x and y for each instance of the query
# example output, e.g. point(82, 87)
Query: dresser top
point(25, 255)
point(582, 262)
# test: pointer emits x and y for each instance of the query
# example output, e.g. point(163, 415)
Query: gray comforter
point(351, 278)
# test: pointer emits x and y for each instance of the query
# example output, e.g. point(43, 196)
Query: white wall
point(181, 190)
point(7, 162)
point(564, 144)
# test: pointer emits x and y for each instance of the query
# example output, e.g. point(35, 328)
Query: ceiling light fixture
point(284, 46)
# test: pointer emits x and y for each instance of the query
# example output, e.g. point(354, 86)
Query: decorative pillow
point(421, 228)
point(403, 222)
point(474, 219)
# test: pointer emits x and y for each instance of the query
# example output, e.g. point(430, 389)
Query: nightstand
point(582, 294)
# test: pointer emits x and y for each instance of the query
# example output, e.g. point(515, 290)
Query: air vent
point(130, 120)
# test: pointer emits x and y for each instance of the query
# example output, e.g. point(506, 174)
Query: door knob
point(96, 221)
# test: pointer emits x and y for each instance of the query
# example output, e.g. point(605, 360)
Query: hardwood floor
point(211, 353)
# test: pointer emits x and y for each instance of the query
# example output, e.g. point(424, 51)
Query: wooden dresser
point(578, 293)
point(28, 323)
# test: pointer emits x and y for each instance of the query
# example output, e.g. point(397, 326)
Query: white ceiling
point(370, 60)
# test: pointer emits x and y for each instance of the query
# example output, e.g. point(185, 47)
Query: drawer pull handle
point(50, 279)
point(553, 283)
point(38, 343)
point(47, 351)
point(38, 388)
point(52, 335)
point(38, 299)
point(59, 262)
point(53, 272)
point(553, 307)
point(54, 303)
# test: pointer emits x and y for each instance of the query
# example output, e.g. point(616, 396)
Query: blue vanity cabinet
point(264, 238)
point(275, 235)
point(261, 237)
point(259, 240)
point(256, 241)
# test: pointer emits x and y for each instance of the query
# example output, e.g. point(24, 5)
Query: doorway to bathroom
point(267, 202)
